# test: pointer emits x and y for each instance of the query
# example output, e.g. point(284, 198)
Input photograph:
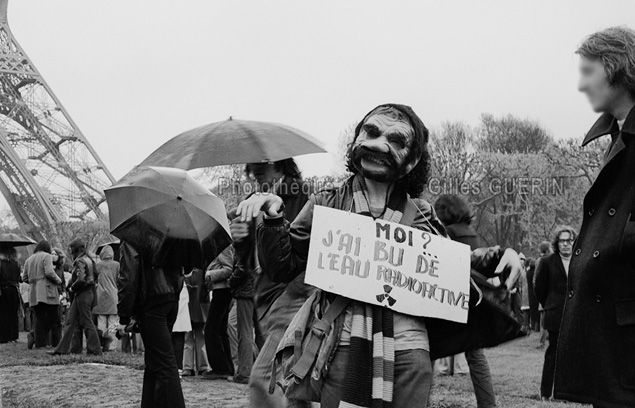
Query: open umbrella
point(233, 142)
point(153, 207)
point(15, 240)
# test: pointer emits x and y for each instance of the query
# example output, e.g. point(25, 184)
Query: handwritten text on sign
point(384, 263)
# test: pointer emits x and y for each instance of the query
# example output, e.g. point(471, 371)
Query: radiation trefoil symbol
point(385, 297)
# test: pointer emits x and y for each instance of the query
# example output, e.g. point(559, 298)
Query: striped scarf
point(371, 362)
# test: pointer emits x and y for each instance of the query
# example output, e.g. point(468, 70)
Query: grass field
point(31, 378)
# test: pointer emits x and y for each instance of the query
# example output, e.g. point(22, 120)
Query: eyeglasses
point(565, 241)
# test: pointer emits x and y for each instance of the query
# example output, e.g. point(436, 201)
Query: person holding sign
point(380, 357)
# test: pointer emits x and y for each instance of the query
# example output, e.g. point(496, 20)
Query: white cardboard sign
point(383, 263)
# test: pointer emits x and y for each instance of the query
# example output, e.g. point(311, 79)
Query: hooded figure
point(106, 308)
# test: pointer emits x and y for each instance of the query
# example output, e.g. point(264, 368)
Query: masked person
point(389, 161)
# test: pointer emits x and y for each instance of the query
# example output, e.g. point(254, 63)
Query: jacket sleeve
point(485, 260)
point(49, 270)
point(243, 264)
point(222, 267)
point(127, 281)
point(541, 279)
point(283, 248)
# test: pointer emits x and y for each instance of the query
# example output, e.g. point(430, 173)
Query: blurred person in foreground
point(551, 291)
point(596, 348)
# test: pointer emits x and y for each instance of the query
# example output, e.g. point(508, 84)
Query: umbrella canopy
point(153, 207)
point(233, 142)
point(10, 239)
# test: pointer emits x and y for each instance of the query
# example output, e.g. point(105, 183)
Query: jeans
point(161, 383)
point(216, 339)
point(259, 396)
point(246, 344)
point(413, 379)
point(549, 368)
point(80, 317)
point(178, 344)
point(194, 354)
point(106, 324)
point(481, 379)
point(47, 321)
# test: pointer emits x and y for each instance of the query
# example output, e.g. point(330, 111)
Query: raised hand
point(251, 207)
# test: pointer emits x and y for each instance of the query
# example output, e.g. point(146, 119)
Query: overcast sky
point(135, 73)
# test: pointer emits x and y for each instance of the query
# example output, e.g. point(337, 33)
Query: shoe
point(210, 375)
point(188, 373)
point(54, 353)
point(238, 380)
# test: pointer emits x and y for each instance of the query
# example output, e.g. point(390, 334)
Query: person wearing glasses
point(551, 291)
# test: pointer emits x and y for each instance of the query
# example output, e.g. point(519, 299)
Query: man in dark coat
point(551, 291)
point(596, 355)
point(275, 303)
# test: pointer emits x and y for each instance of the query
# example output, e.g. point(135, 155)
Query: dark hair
point(60, 256)
point(415, 181)
point(77, 245)
point(452, 209)
point(43, 246)
point(288, 167)
point(556, 236)
point(615, 48)
point(9, 252)
point(544, 247)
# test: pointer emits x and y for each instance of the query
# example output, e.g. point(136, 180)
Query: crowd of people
point(230, 319)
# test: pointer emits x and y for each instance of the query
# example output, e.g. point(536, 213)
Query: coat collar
point(607, 124)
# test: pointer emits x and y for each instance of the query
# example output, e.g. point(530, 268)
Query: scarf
point(371, 361)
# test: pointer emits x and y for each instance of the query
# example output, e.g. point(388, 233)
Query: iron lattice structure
point(48, 170)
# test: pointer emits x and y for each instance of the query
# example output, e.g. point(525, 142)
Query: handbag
point(297, 367)
point(490, 322)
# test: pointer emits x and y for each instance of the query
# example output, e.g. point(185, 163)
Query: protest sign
point(384, 263)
